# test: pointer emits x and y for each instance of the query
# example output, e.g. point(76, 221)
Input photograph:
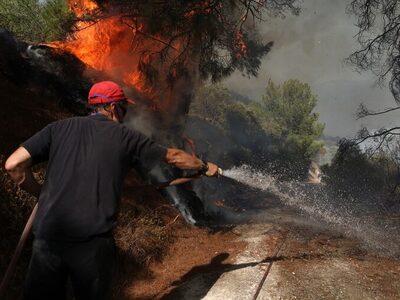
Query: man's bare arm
point(18, 166)
point(185, 161)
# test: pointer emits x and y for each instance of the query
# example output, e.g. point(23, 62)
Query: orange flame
point(109, 46)
point(81, 7)
point(119, 48)
point(105, 46)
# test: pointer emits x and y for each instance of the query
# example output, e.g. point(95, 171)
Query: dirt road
point(278, 263)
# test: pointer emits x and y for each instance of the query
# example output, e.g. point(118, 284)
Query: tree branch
point(384, 133)
point(364, 112)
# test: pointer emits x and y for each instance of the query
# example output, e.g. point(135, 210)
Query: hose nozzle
point(220, 172)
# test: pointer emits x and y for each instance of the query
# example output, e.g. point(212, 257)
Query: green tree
point(286, 112)
point(37, 21)
point(217, 105)
point(352, 172)
point(210, 104)
point(281, 131)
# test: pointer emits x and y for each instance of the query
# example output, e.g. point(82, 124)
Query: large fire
point(119, 47)
point(105, 45)
point(116, 47)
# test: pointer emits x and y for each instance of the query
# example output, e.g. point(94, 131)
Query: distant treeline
point(363, 172)
point(281, 132)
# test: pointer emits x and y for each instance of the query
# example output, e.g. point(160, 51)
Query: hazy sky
point(311, 48)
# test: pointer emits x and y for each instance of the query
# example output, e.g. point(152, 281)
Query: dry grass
point(142, 235)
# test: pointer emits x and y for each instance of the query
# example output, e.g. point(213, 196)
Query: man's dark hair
point(96, 107)
point(105, 106)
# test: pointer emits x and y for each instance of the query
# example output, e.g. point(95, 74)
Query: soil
point(195, 251)
point(324, 266)
point(310, 264)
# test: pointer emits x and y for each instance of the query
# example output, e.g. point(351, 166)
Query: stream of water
point(357, 218)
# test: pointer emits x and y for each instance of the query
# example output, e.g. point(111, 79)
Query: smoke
point(312, 47)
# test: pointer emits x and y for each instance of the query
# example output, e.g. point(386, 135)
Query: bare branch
point(363, 111)
point(365, 135)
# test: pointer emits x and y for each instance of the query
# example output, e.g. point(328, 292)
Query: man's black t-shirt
point(88, 158)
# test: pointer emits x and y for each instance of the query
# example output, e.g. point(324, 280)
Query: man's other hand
point(18, 166)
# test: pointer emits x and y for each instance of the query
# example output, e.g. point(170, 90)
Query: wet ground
point(282, 263)
point(304, 264)
point(281, 251)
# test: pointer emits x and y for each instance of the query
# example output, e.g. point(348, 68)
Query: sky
point(312, 47)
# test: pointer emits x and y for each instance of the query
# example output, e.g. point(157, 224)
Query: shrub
point(37, 21)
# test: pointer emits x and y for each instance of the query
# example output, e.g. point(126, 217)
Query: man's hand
point(185, 161)
point(212, 170)
point(182, 160)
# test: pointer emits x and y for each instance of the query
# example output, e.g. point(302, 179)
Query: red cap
point(107, 92)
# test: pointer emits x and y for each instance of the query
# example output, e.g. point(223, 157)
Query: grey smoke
point(312, 48)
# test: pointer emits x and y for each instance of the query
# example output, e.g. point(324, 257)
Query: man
point(88, 158)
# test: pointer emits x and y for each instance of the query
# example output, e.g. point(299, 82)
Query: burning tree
point(165, 48)
point(161, 50)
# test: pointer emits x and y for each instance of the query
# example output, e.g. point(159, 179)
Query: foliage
point(387, 157)
point(287, 112)
point(37, 21)
point(379, 38)
point(353, 172)
point(216, 105)
point(282, 129)
point(217, 37)
point(210, 104)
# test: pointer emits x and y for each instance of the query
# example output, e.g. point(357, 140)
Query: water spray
point(345, 214)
